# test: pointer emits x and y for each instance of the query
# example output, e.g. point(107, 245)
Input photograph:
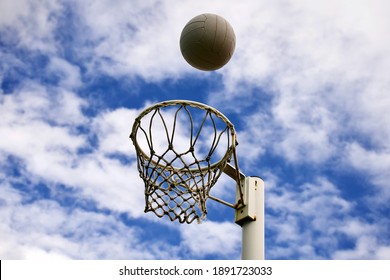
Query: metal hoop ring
point(193, 104)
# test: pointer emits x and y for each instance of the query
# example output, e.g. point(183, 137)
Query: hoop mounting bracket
point(248, 212)
point(231, 172)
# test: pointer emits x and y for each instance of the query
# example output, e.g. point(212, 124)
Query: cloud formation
point(307, 90)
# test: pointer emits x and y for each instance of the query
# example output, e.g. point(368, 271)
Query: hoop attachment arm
point(232, 172)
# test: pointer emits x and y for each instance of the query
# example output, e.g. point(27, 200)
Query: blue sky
point(307, 90)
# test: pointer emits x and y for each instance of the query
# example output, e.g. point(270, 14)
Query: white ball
point(207, 42)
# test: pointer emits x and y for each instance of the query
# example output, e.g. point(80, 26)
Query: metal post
point(251, 219)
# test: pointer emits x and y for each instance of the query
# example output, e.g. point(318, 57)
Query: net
point(182, 149)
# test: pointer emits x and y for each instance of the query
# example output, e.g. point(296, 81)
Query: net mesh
point(182, 148)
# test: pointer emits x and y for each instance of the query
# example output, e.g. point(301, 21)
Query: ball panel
point(199, 18)
point(189, 38)
point(197, 53)
point(228, 47)
point(198, 61)
point(191, 26)
point(220, 33)
point(210, 27)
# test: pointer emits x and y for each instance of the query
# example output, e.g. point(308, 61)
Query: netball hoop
point(182, 149)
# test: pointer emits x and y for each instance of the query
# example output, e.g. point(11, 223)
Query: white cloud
point(114, 128)
point(45, 230)
point(67, 73)
point(32, 101)
point(48, 150)
point(375, 163)
point(367, 247)
point(11, 10)
point(25, 132)
point(208, 238)
point(356, 228)
point(38, 128)
point(31, 23)
point(123, 35)
point(253, 140)
point(304, 216)
point(312, 221)
point(314, 64)
point(142, 37)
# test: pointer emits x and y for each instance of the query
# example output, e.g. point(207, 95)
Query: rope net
point(182, 148)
